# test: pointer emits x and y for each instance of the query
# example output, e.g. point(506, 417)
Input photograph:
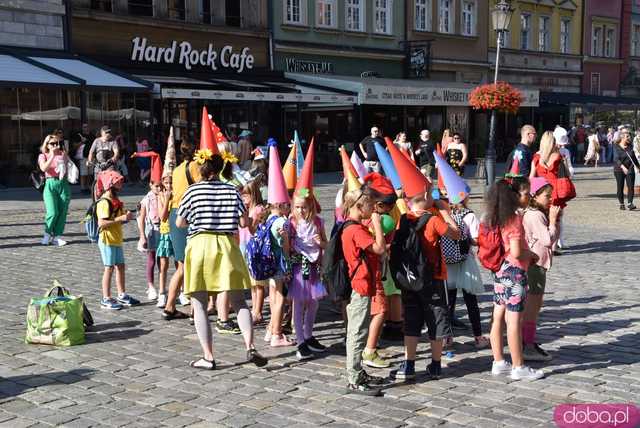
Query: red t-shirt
point(435, 228)
point(514, 230)
point(357, 238)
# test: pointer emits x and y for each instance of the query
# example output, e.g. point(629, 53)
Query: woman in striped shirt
point(213, 263)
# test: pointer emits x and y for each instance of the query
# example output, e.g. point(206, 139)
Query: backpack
point(335, 270)
point(457, 250)
point(262, 262)
point(410, 269)
point(91, 220)
point(491, 252)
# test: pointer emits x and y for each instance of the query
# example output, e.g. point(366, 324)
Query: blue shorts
point(111, 254)
point(178, 236)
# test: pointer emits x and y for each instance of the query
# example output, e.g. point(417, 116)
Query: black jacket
point(624, 157)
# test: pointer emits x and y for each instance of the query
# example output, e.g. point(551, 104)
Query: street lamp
point(501, 19)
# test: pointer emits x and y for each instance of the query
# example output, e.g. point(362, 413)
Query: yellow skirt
point(213, 263)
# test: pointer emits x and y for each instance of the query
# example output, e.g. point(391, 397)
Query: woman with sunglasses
point(624, 164)
point(457, 154)
point(57, 195)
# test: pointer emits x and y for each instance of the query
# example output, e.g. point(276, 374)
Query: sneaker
point(281, 340)
point(363, 388)
point(631, 207)
point(500, 368)
point(303, 352)
point(162, 301)
point(373, 359)
point(184, 300)
point(110, 303)
point(126, 300)
point(254, 357)
point(526, 373)
point(622, 208)
point(482, 342)
point(533, 352)
point(405, 371)
point(434, 372)
point(59, 242)
point(227, 327)
point(152, 294)
point(372, 380)
point(46, 239)
point(175, 315)
point(267, 336)
point(314, 345)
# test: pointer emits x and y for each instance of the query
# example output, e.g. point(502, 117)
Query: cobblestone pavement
point(133, 369)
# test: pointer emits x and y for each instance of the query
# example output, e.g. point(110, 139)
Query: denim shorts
point(111, 254)
point(510, 287)
point(178, 236)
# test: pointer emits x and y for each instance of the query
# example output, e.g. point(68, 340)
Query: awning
point(23, 72)
point(567, 98)
point(403, 92)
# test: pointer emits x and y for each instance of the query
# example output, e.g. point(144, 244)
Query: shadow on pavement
point(16, 385)
point(613, 246)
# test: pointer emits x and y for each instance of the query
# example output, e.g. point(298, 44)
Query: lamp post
point(501, 18)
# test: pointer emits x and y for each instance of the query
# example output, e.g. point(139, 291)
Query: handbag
point(564, 188)
point(72, 172)
point(55, 319)
point(37, 179)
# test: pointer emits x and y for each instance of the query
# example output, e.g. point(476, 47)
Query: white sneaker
point(267, 335)
point(526, 373)
point(59, 242)
point(501, 368)
point(152, 294)
point(46, 239)
point(162, 301)
point(184, 300)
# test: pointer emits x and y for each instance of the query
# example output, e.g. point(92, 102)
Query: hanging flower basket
point(500, 96)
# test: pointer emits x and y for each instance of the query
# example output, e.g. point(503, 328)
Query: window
point(383, 16)
point(565, 36)
point(595, 83)
point(295, 12)
point(635, 41)
point(423, 15)
point(326, 13)
point(596, 41)
point(176, 9)
point(468, 18)
point(141, 7)
point(445, 15)
point(610, 43)
point(544, 35)
point(355, 15)
point(101, 5)
point(525, 30)
point(204, 11)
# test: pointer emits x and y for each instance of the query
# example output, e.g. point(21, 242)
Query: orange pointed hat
point(349, 171)
point(413, 181)
point(207, 139)
point(304, 185)
point(156, 165)
point(290, 168)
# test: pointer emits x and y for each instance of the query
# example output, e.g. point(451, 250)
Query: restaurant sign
point(185, 54)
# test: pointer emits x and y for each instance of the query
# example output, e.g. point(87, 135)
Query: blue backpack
point(261, 259)
point(91, 220)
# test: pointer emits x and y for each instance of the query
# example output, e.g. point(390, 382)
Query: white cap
point(560, 134)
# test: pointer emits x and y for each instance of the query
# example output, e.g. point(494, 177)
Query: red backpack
point(491, 252)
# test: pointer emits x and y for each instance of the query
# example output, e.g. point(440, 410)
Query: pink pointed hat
point(277, 188)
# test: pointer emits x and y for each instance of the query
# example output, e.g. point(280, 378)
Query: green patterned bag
point(55, 320)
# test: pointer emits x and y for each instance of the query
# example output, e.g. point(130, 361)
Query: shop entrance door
point(175, 113)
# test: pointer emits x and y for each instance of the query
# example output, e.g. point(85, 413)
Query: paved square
point(133, 369)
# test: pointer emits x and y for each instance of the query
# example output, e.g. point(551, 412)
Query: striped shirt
point(211, 206)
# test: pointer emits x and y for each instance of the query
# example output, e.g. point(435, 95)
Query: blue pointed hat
point(299, 153)
point(388, 166)
point(457, 188)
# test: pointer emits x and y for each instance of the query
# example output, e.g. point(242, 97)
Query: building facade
point(33, 24)
point(630, 49)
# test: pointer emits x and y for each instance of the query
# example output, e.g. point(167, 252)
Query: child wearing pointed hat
point(429, 305)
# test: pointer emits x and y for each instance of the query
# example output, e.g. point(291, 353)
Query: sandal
point(203, 364)
point(175, 315)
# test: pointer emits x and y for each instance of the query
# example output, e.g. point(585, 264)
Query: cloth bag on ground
point(55, 319)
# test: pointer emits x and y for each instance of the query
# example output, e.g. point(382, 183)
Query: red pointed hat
point(156, 165)
point(304, 185)
point(207, 139)
point(413, 181)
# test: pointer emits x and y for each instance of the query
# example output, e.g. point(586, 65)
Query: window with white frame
point(610, 43)
point(295, 12)
point(423, 15)
point(596, 40)
point(355, 15)
point(326, 13)
point(445, 16)
point(565, 36)
point(383, 16)
point(525, 31)
point(635, 40)
point(468, 18)
point(544, 33)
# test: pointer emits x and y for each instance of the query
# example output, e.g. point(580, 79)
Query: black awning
point(566, 98)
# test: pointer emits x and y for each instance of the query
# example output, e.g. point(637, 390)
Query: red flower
point(501, 96)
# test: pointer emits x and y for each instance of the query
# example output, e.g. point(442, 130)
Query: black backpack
point(335, 270)
point(409, 267)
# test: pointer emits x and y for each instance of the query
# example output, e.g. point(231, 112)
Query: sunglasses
point(54, 144)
